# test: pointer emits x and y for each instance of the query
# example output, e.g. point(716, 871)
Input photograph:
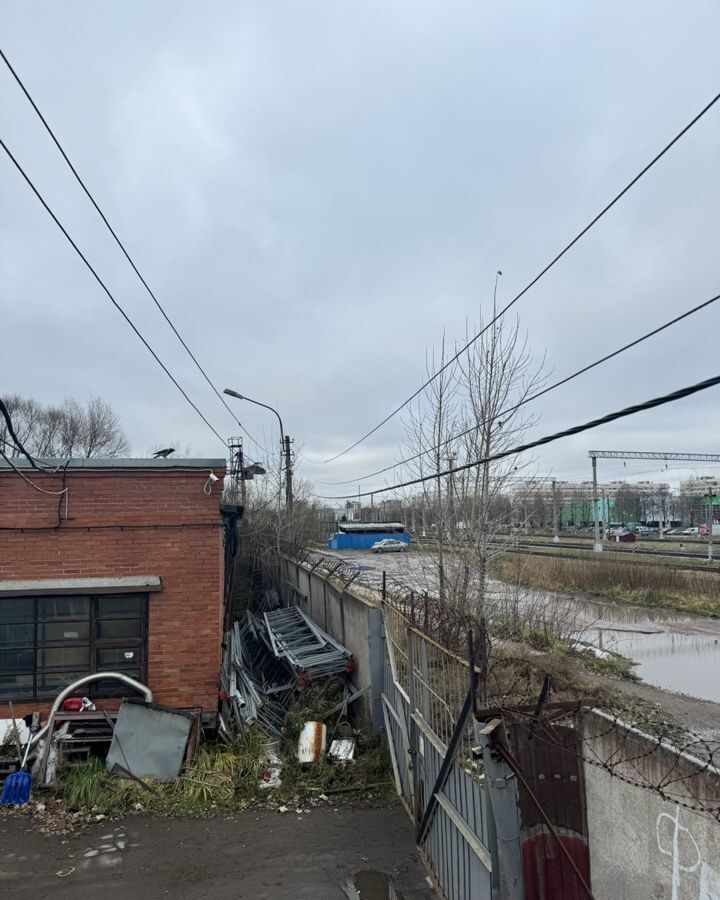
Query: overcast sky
point(317, 190)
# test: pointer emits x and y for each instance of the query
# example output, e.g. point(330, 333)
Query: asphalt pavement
point(256, 854)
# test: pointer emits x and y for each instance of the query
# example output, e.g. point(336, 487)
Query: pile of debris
point(265, 660)
point(139, 740)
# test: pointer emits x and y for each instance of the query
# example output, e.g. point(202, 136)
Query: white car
point(389, 545)
point(691, 531)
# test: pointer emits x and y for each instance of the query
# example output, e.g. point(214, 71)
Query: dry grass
point(697, 592)
point(226, 777)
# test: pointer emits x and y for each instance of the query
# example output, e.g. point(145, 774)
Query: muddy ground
point(256, 854)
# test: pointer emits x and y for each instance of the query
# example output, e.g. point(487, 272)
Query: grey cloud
point(316, 191)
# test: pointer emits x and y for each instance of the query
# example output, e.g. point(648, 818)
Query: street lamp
point(711, 517)
point(284, 445)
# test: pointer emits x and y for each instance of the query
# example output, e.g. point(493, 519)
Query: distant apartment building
point(701, 486)
point(617, 502)
point(700, 499)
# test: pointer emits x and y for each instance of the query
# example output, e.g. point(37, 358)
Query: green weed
point(226, 776)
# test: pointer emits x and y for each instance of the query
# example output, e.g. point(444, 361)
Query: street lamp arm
point(232, 393)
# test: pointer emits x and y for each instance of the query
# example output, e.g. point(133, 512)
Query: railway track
point(613, 547)
point(584, 549)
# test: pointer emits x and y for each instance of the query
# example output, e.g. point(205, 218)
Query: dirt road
point(257, 854)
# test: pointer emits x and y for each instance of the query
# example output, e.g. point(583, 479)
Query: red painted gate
point(549, 759)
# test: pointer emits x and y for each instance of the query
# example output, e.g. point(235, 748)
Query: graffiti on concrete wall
point(687, 864)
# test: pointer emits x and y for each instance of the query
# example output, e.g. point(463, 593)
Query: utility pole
point(288, 475)
point(596, 521)
point(710, 527)
point(556, 528)
point(243, 489)
point(605, 516)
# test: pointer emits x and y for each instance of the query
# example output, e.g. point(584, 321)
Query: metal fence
point(429, 728)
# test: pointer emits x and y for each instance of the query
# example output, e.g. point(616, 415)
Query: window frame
point(94, 644)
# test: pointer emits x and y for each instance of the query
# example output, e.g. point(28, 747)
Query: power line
point(11, 431)
point(122, 247)
point(106, 290)
point(534, 281)
point(534, 396)
point(521, 448)
point(26, 479)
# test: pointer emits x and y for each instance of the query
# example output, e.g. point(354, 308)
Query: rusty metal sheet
point(550, 762)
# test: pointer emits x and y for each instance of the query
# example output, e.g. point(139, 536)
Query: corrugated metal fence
point(423, 699)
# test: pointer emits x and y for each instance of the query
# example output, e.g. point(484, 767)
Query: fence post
point(413, 729)
point(377, 665)
point(501, 786)
point(483, 664)
point(384, 587)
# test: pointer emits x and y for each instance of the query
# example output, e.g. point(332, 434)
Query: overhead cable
point(107, 291)
point(26, 479)
point(122, 247)
point(530, 284)
point(11, 431)
point(534, 396)
point(549, 439)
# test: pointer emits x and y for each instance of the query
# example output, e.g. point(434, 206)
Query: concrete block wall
point(124, 523)
point(352, 620)
point(643, 845)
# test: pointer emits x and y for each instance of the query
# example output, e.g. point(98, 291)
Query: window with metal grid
point(46, 642)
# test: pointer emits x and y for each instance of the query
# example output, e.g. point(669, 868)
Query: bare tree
point(471, 412)
point(67, 430)
point(430, 426)
point(627, 504)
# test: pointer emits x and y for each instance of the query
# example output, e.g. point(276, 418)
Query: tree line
point(68, 429)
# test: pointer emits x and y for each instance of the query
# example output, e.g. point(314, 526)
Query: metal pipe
point(88, 679)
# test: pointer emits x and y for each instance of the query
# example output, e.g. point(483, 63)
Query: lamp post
point(711, 517)
point(597, 547)
point(284, 445)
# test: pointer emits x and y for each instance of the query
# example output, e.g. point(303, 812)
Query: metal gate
point(428, 723)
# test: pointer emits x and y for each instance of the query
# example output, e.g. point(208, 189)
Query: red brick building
point(121, 572)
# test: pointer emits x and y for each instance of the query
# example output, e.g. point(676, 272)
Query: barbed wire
point(698, 756)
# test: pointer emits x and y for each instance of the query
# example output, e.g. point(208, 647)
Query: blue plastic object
point(17, 787)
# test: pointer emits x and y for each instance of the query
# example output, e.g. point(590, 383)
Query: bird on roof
point(164, 453)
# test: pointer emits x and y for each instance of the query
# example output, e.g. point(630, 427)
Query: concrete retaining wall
point(354, 621)
point(644, 846)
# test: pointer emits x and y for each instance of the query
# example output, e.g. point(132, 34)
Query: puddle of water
point(678, 662)
point(675, 651)
point(372, 885)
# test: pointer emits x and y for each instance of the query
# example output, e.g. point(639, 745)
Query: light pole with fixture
point(284, 446)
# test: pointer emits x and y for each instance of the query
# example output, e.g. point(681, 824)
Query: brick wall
point(123, 523)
